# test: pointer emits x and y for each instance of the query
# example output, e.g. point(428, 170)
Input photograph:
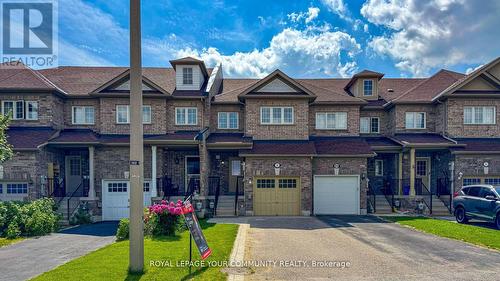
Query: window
point(471, 181)
point(379, 167)
point(369, 125)
point(186, 116)
point(236, 168)
point(367, 87)
point(287, 183)
point(265, 183)
point(486, 192)
point(331, 120)
point(83, 115)
point(31, 110)
point(276, 115)
point(492, 181)
point(117, 186)
point(187, 76)
point(228, 120)
point(123, 114)
point(146, 186)
point(1, 188)
point(17, 188)
point(474, 191)
point(146, 114)
point(480, 115)
point(415, 120)
point(14, 108)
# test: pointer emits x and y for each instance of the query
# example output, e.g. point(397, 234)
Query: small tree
point(5, 147)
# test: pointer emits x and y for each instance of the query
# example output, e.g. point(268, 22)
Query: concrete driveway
point(360, 248)
point(32, 257)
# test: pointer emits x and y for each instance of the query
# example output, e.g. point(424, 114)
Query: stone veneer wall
point(50, 109)
point(399, 115)
point(173, 170)
point(455, 121)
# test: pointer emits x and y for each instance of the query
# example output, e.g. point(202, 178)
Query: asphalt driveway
point(360, 248)
point(32, 257)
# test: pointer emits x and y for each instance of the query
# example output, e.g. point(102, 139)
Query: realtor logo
point(29, 31)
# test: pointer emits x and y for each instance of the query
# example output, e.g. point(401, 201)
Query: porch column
point(154, 192)
point(412, 171)
point(400, 172)
point(91, 195)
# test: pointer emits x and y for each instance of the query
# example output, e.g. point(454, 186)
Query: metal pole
point(190, 251)
point(136, 142)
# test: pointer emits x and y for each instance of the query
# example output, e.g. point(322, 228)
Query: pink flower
point(163, 202)
point(177, 211)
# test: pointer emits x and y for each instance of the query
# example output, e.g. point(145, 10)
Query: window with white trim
point(379, 167)
point(369, 125)
point(146, 114)
point(367, 87)
point(17, 188)
point(82, 115)
point(276, 115)
point(479, 115)
point(187, 76)
point(415, 120)
point(14, 108)
point(331, 120)
point(123, 114)
point(228, 120)
point(31, 110)
point(186, 116)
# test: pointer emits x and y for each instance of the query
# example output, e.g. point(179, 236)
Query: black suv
point(479, 202)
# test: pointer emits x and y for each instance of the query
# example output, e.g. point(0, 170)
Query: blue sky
point(321, 38)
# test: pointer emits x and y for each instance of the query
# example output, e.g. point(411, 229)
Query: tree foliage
point(5, 147)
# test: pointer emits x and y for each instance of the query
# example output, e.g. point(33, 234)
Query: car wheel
point(498, 221)
point(460, 215)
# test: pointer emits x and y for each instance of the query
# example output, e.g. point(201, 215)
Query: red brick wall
point(455, 120)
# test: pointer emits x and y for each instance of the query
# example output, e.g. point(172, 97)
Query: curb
point(238, 252)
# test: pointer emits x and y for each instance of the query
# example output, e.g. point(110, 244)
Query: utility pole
point(136, 142)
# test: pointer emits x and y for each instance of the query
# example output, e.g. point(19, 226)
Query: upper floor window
point(415, 120)
point(481, 115)
point(83, 115)
point(31, 110)
point(367, 87)
point(331, 120)
point(14, 108)
point(369, 125)
point(228, 120)
point(186, 116)
point(123, 114)
point(187, 76)
point(276, 115)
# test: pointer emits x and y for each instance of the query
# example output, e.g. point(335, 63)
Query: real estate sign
point(195, 229)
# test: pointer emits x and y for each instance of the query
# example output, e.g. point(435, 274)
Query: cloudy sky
point(319, 38)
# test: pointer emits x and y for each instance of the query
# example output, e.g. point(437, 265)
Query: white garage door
point(115, 198)
point(336, 195)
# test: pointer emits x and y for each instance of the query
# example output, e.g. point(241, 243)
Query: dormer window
point(368, 88)
point(187, 76)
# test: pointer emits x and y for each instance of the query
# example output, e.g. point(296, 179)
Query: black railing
point(388, 192)
point(372, 197)
point(214, 190)
point(56, 189)
point(444, 193)
point(193, 187)
point(80, 191)
point(239, 188)
point(426, 193)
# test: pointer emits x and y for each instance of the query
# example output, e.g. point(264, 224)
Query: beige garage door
point(276, 196)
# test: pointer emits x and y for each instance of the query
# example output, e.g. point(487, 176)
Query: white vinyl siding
point(15, 108)
point(186, 116)
point(369, 125)
point(479, 115)
point(415, 120)
point(197, 78)
point(82, 115)
point(228, 120)
point(368, 88)
point(276, 115)
point(331, 120)
point(31, 110)
point(123, 114)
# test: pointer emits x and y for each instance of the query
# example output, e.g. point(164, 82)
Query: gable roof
point(364, 73)
point(17, 76)
point(125, 76)
point(190, 61)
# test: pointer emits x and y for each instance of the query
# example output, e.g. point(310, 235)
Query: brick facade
point(471, 165)
point(50, 109)
point(455, 119)
point(399, 114)
point(214, 113)
point(352, 120)
point(169, 112)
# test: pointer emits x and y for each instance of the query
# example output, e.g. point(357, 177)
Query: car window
point(485, 192)
point(497, 188)
point(465, 190)
point(474, 191)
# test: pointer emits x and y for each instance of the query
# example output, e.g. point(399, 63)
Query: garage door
point(336, 195)
point(277, 196)
point(115, 199)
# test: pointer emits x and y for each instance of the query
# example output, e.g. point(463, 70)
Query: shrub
point(13, 231)
point(82, 215)
point(163, 219)
point(123, 230)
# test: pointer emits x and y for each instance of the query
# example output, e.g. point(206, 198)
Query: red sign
point(195, 229)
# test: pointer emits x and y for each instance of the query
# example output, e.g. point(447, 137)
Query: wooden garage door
point(277, 196)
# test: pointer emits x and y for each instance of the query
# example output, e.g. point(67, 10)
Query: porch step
point(225, 206)
point(382, 206)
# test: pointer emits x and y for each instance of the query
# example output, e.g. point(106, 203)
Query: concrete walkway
point(32, 257)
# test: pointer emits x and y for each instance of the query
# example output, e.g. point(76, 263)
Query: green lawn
point(469, 233)
point(111, 262)
point(5, 241)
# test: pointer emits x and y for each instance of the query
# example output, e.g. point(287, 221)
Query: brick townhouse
point(270, 146)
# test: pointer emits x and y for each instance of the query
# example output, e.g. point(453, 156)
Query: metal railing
point(239, 181)
point(372, 197)
point(388, 192)
point(426, 193)
point(444, 193)
point(80, 191)
point(214, 189)
point(56, 189)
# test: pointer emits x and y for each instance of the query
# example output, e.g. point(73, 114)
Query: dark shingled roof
point(28, 137)
point(228, 137)
point(479, 144)
point(285, 147)
point(341, 146)
point(422, 138)
point(381, 141)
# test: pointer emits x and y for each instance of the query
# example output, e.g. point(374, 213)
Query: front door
point(423, 171)
point(235, 174)
point(192, 170)
point(73, 173)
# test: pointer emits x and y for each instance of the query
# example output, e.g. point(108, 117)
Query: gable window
point(367, 87)
point(415, 120)
point(479, 115)
point(146, 114)
point(123, 114)
point(379, 167)
point(14, 108)
point(276, 115)
point(31, 110)
point(187, 76)
point(331, 120)
point(186, 116)
point(369, 125)
point(228, 120)
point(83, 115)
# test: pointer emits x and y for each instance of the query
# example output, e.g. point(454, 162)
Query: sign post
point(194, 232)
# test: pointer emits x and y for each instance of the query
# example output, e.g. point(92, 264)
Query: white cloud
point(338, 7)
point(426, 34)
point(312, 13)
point(304, 53)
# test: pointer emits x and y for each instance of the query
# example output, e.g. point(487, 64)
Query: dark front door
point(235, 173)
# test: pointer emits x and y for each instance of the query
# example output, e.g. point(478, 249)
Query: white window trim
point(192, 75)
point(381, 167)
point(227, 116)
point(128, 114)
point(150, 114)
point(26, 111)
point(415, 114)
point(333, 129)
point(282, 119)
point(73, 116)
point(373, 84)
point(186, 115)
point(370, 128)
point(473, 121)
point(14, 108)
